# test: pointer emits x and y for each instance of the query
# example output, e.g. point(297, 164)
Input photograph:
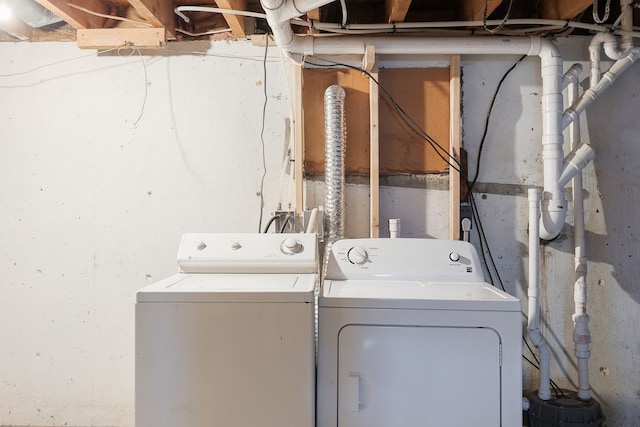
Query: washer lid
point(231, 288)
point(416, 295)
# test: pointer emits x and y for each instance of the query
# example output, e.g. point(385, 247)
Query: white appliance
point(411, 335)
point(230, 340)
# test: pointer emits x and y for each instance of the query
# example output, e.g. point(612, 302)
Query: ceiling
point(150, 23)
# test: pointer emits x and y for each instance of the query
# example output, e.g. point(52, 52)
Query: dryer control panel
point(248, 253)
point(404, 259)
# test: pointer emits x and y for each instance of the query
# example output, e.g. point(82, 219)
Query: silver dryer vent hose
point(335, 142)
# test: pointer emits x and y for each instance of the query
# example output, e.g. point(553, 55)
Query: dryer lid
point(416, 295)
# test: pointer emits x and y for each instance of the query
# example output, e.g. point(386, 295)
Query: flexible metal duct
point(335, 141)
point(32, 13)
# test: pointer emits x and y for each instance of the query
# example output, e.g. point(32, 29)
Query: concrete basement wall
point(93, 206)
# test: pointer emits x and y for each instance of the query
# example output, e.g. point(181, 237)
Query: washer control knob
point(357, 255)
point(201, 246)
point(235, 246)
point(291, 246)
point(454, 256)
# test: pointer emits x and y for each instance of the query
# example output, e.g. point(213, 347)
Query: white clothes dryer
point(411, 335)
point(230, 340)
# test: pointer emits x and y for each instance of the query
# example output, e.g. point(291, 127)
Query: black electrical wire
point(408, 121)
point(486, 123)
point(557, 390)
point(264, 119)
point(286, 221)
point(483, 236)
point(271, 221)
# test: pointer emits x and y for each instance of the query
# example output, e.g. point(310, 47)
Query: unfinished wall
point(93, 206)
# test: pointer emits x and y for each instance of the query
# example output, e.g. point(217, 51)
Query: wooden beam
point(103, 38)
point(563, 9)
point(298, 129)
point(158, 13)
point(374, 155)
point(77, 18)
point(236, 22)
point(396, 10)
point(473, 10)
point(455, 139)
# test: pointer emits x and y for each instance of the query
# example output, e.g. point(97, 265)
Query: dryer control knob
point(454, 256)
point(357, 255)
point(291, 246)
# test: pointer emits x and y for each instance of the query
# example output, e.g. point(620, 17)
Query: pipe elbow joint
point(552, 218)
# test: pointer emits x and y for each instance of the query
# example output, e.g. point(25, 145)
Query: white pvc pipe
point(394, 228)
point(581, 332)
point(571, 75)
point(573, 164)
point(533, 324)
point(554, 205)
point(312, 227)
point(591, 94)
point(610, 45)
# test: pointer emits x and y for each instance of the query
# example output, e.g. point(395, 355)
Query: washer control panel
point(248, 253)
point(414, 259)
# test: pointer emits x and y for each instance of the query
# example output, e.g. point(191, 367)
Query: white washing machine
point(411, 335)
point(230, 340)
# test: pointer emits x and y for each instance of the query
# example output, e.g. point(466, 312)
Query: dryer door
point(409, 376)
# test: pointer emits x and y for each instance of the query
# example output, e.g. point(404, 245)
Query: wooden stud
point(473, 10)
point(236, 22)
point(158, 13)
point(374, 155)
point(396, 10)
point(455, 139)
point(369, 59)
point(298, 124)
point(75, 17)
point(102, 38)
point(314, 15)
point(563, 9)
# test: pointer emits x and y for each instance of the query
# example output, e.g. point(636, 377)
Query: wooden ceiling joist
point(473, 10)
point(235, 22)
point(158, 13)
point(396, 10)
point(563, 9)
point(103, 38)
point(77, 18)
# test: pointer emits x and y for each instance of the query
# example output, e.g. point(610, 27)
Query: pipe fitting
point(609, 44)
point(571, 75)
point(581, 332)
point(577, 160)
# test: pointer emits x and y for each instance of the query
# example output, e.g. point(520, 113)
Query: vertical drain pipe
point(533, 326)
point(335, 142)
point(581, 332)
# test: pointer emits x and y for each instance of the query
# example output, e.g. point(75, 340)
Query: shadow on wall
point(613, 215)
